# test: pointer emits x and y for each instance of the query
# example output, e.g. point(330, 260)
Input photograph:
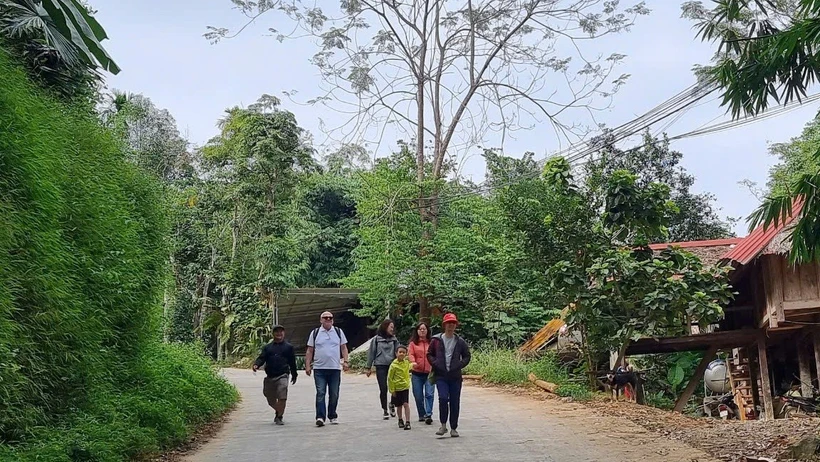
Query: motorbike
point(794, 405)
point(722, 406)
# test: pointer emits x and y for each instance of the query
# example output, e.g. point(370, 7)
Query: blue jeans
point(423, 394)
point(449, 400)
point(327, 381)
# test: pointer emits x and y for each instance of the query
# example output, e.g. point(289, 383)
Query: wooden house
point(770, 329)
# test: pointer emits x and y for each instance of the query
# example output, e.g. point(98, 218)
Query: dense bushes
point(83, 373)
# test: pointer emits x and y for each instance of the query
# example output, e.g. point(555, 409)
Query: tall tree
point(655, 162)
point(244, 231)
point(445, 73)
point(767, 52)
point(616, 287)
point(151, 135)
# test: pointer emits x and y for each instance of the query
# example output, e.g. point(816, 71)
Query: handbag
point(432, 377)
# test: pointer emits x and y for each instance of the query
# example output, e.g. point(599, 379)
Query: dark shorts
point(275, 388)
point(400, 398)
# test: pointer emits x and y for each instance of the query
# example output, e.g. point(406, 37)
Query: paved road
point(495, 426)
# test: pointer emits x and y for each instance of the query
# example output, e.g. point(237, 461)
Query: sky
point(162, 52)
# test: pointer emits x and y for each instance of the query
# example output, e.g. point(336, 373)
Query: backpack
point(315, 333)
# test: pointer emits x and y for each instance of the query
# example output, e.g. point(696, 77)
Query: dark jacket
point(277, 358)
point(460, 359)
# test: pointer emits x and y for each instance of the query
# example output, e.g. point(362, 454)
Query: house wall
point(790, 292)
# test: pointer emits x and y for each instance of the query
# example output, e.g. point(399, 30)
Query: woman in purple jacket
point(448, 354)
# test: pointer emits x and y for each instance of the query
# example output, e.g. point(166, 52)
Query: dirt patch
point(729, 440)
point(725, 440)
point(203, 434)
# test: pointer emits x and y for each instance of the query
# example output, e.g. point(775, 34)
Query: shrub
point(505, 367)
point(83, 372)
point(358, 361)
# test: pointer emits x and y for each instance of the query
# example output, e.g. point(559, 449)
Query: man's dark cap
point(278, 327)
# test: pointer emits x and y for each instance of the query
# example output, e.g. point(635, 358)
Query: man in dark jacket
point(448, 355)
point(278, 358)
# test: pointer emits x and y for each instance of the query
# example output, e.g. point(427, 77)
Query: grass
point(84, 375)
point(505, 367)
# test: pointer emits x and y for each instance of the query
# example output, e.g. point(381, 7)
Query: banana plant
point(65, 26)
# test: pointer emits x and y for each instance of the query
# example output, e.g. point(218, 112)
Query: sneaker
point(320, 423)
point(386, 415)
point(392, 410)
point(421, 419)
point(278, 421)
point(401, 423)
point(334, 422)
point(407, 426)
point(429, 420)
point(453, 434)
point(441, 431)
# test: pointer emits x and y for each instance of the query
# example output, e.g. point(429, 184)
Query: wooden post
point(695, 380)
point(768, 406)
point(817, 355)
point(754, 372)
point(804, 366)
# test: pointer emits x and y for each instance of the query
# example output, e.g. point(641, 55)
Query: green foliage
point(60, 43)
point(765, 49)
point(505, 367)
point(619, 288)
point(795, 178)
point(666, 376)
point(470, 265)
point(655, 162)
point(82, 263)
point(766, 53)
point(358, 361)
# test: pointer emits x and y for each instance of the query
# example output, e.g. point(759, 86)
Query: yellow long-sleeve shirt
point(398, 376)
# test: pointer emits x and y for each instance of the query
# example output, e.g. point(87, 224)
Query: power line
point(710, 129)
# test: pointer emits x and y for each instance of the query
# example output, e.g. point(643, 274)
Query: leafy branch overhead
point(454, 72)
point(64, 26)
point(767, 52)
point(620, 290)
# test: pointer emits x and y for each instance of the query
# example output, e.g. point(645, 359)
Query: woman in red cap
point(448, 354)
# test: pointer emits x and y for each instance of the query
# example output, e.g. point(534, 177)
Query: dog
point(622, 382)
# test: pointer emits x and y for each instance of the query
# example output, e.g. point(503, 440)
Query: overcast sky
point(160, 48)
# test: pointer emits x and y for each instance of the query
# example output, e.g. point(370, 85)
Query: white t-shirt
point(327, 351)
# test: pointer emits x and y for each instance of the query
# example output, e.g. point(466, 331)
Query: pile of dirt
point(729, 440)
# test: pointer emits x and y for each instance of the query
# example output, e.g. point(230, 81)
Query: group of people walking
point(427, 364)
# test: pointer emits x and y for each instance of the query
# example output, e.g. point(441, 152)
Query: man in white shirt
point(325, 346)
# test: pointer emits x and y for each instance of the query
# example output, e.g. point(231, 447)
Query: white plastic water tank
point(716, 377)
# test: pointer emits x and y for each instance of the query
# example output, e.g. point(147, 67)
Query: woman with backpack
point(380, 355)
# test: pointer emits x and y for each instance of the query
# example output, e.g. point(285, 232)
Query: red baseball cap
point(450, 317)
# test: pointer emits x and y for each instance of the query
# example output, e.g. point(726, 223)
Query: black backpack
point(316, 333)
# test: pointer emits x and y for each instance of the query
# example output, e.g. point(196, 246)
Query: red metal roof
point(752, 245)
point(689, 244)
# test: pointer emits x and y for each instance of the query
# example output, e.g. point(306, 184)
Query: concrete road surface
point(495, 426)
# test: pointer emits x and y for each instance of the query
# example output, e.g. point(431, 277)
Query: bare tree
point(449, 74)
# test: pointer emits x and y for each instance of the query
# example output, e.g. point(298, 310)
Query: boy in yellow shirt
point(398, 384)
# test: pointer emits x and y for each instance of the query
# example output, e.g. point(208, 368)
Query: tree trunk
point(622, 350)
point(206, 288)
point(591, 372)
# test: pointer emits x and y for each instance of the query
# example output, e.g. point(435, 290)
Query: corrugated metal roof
point(542, 337)
point(752, 245)
point(709, 251)
point(690, 244)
